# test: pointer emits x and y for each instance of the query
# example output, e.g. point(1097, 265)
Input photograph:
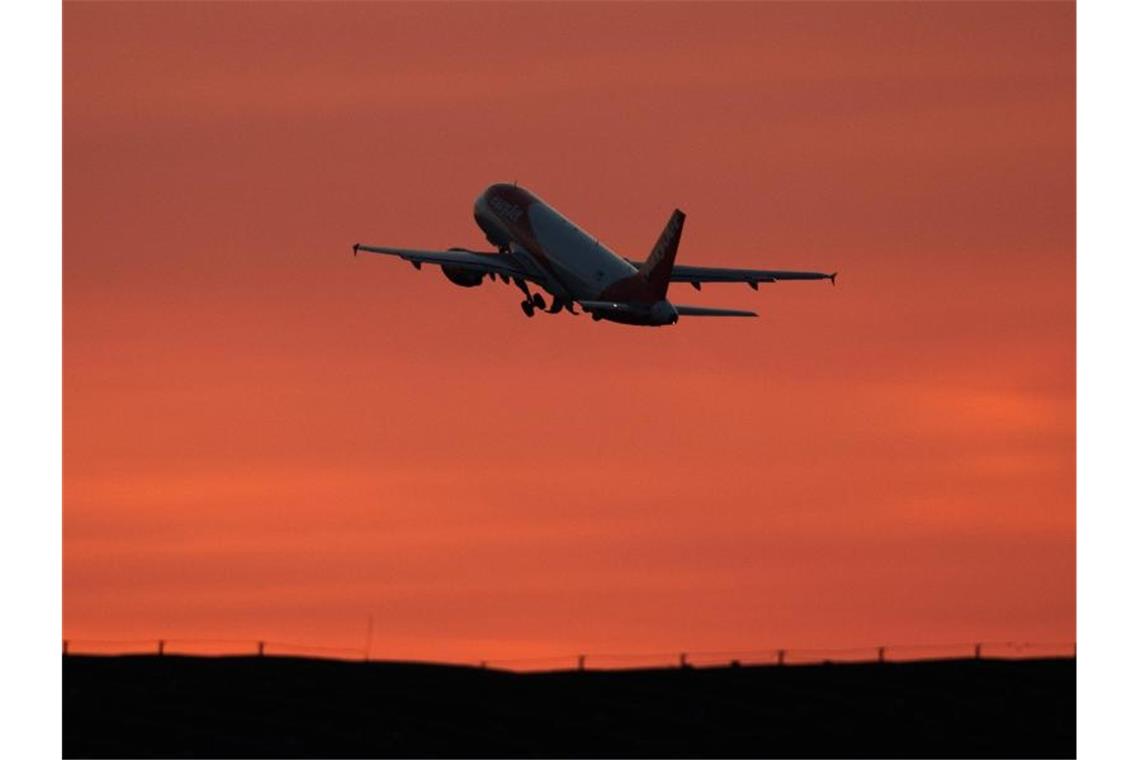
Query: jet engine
point(464, 278)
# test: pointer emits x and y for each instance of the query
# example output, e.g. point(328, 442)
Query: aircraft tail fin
point(659, 266)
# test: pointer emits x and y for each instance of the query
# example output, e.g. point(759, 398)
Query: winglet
point(832, 278)
point(355, 248)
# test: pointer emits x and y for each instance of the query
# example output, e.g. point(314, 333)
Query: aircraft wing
point(698, 275)
point(503, 264)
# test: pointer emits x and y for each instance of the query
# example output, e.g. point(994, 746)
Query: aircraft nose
point(486, 221)
point(483, 210)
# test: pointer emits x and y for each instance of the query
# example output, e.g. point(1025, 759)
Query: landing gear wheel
point(528, 308)
point(539, 301)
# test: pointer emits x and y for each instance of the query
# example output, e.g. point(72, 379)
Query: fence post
point(65, 642)
point(161, 647)
point(683, 663)
point(882, 654)
point(581, 662)
point(977, 651)
point(780, 656)
point(261, 649)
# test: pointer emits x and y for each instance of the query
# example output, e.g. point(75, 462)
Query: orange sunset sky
point(266, 438)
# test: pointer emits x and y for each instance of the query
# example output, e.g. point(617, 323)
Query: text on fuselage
point(506, 208)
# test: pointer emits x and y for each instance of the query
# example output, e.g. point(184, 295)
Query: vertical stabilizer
point(659, 266)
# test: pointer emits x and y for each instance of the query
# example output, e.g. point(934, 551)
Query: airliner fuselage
point(515, 220)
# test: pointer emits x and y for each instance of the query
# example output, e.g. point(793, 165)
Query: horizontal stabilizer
point(704, 311)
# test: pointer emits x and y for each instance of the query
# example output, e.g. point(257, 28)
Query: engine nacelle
point(464, 278)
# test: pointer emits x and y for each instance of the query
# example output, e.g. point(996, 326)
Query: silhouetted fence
point(207, 647)
point(598, 661)
point(801, 656)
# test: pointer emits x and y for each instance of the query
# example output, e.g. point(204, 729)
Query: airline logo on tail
point(659, 266)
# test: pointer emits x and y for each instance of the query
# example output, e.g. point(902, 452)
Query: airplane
point(538, 245)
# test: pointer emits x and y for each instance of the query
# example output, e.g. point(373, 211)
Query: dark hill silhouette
point(176, 706)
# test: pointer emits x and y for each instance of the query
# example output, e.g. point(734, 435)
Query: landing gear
point(528, 302)
point(537, 301)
